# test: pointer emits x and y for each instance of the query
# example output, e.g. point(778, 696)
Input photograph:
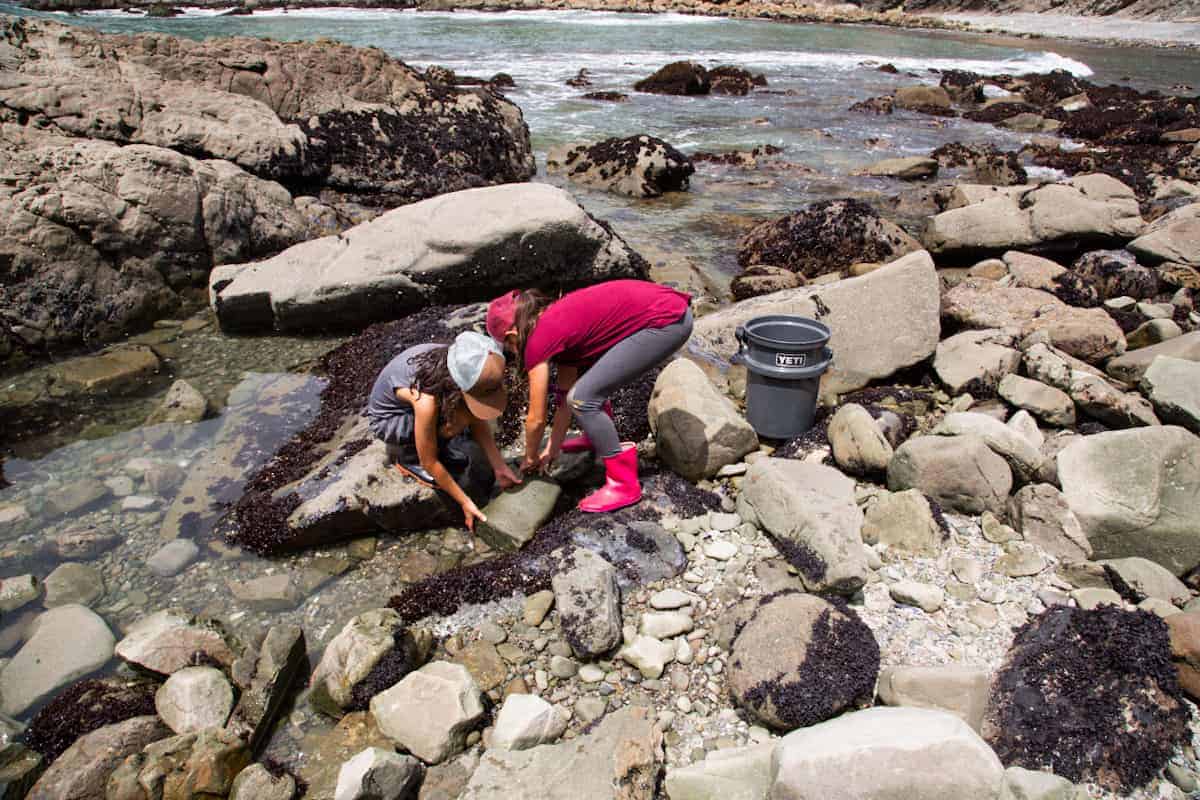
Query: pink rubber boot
point(581, 443)
point(621, 487)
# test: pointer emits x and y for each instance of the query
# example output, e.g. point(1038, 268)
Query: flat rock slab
point(514, 516)
point(68, 643)
point(1173, 386)
point(458, 246)
point(117, 372)
point(902, 298)
point(1133, 365)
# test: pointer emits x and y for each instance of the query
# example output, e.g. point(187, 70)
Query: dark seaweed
point(84, 707)
point(1091, 696)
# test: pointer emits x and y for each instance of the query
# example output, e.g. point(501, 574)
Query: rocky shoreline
point(977, 575)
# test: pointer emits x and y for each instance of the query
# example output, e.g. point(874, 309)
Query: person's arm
point(535, 418)
point(562, 416)
point(425, 411)
point(481, 432)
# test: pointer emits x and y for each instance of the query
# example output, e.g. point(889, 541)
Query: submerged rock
point(172, 639)
point(68, 643)
point(636, 166)
point(87, 706)
point(456, 247)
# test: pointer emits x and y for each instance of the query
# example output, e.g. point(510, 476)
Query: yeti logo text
point(788, 360)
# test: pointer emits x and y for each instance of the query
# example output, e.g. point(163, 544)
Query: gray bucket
point(785, 357)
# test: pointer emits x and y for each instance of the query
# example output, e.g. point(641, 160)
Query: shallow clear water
point(815, 73)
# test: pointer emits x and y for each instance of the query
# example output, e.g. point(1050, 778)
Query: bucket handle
point(739, 357)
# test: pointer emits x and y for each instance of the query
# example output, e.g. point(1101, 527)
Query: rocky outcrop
point(118, 146)
point(688, 78)
point(468, 245)
point(901, 299)
point(636, 166)
point(1088, 208)
point(824, 237)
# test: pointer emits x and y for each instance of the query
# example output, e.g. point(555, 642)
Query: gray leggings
point(623, 363)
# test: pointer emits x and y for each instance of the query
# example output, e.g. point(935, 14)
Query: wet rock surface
point(637, 166)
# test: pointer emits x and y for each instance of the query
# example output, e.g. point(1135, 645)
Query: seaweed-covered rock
point(589, 603)
point(462, 246)
point(989, 166)
point(680, 78)
point(1089, 209)
point(810, 514)
point(698, 430)
point(372, 652)
point(635, 166)
point(1116, 273)
point(87, 706)
point(900, 298)
point(1135, 493)
point(727, 79)
point(827, 236)
point(959, 472)
point(799, 660)
point(1089, 695)
point(887, 752)
point(622, 758)
point(82, 771)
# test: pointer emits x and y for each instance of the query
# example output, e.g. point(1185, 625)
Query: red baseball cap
point(502, 315)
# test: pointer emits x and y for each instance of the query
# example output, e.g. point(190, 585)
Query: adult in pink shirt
point(599, 339)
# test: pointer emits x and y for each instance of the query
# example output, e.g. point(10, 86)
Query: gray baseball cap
point(476, 364)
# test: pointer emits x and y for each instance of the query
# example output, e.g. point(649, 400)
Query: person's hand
point(549, 455)
point(531, 463)
point(506, 478)
point(471, 513)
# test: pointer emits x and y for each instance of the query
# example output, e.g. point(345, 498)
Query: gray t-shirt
point(390, 418)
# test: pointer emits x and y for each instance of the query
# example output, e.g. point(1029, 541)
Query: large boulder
point(66, 644)
point(1086, 333)
point(466, 245)
point(636, 166)
point(169, 640)
point(1021, 454)
point(450, 704)
point(1089, 208)
point(1172, 237)
point(901, 298)
point(589, 602)
point(137, 163)
point(1136, 492)
point(810, 514)
point(960, 472)
point(621, 758)
point(886, 753)
point(698, 430)
point(827, 236)
point(799, 660)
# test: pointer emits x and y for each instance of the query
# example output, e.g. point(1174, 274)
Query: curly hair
point(432, 376)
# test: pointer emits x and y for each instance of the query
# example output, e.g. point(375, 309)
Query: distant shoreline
point(1158, 34)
